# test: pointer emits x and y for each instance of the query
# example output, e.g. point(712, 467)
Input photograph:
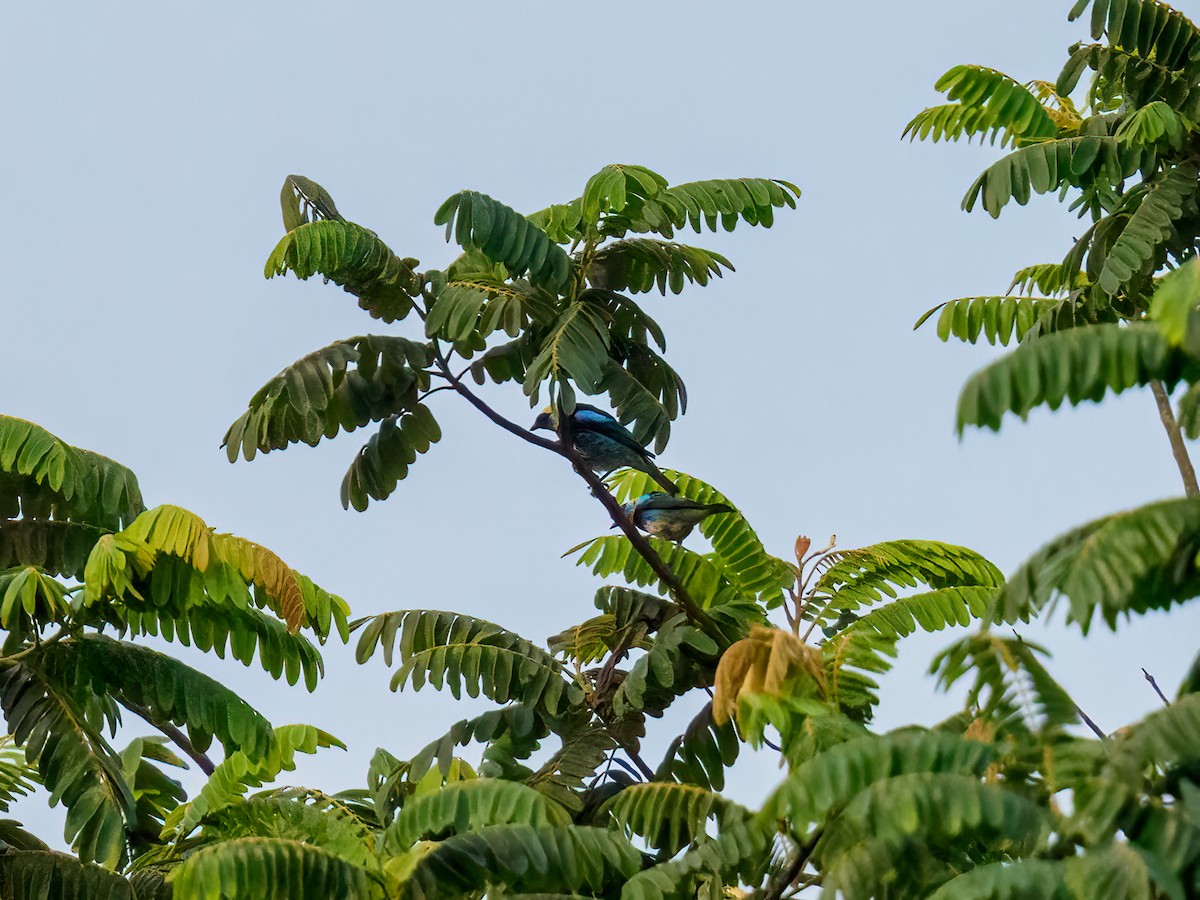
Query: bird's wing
point(613, 430)
point(666, 501)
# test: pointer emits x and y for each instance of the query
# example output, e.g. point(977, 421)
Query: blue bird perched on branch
point(605, 444)
point(669, 517)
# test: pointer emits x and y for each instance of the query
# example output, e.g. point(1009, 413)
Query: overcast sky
point(145, 145)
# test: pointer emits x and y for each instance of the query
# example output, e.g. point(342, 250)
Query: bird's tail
point(713, 508)
point(666, 483)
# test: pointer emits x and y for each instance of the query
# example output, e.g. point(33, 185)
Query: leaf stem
point(1175, 436)
point(1157, 689)
point(178, 737)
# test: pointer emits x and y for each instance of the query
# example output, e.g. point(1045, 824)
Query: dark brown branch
point(1157, 689)
point(795, 869)
point(1096, 729)
point(178, 737)
point(1175, 436)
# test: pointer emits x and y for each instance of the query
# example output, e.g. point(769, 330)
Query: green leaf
point(1150, 225)
point(988, 104)
point(640, 265)
point(303, 200)
point(478, 222)
point(383, 461)
point(164, 688)
point(1175, 306)
point(671, 816)
point(576, 347)
point(1130, 562)
point(46, 875)
point(352, 257)
point(524, 858)
point(1045, 166)
point(1075, 365)
point(73, 760)
point(238, 772)
point(1151, 29)
point(250, 867)
point(467, 654)
point(17, 777)
point(42, 477)
point(321, 394)
point(468, 806)
point(1000, 319)
point(56, 547)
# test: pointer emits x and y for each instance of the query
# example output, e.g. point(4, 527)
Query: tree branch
point(178, 737)
point(1096, 729)
point(1175, 436)
point(564, 448)
point(1157, 689)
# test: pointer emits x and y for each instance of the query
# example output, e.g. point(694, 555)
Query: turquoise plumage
point(670, 517)
point(605, 444)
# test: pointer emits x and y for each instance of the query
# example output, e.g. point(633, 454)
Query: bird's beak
point(614, 525)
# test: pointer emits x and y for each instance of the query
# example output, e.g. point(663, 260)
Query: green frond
point(999, 319)
point(985, 103)
point(323, 825)
point(303, 200)
point(468, 806)
point(155, 793)
point(352, 257)
point(1075, 365)
point(612, 188)
point(383, 461)
point(864, 576)
point(1048, 278)
point(1150, 225)
point(639, 265)
point(1121, 71)
point(671, 816)
point(576, 347)
point(462, 653)
point(46, 875)
point(73, 760)
point(321, 394)
point(477, 222)
point(165, 689)
point(178, 609)
point(42, 477)
point(524, 859)
point(868, 644)
point(1175, 309)
point(1149, 124)
point(584, 749)
point(30, 598)
point(563, 222)
point(701, 755)
point(1149, 28)
point(937, 807)
point(744, 562)
point(701, 578)
point(1129, 562)
point(1045, 166)
point(161, 545)
point(238, 772)
point(1166, 737)
point(251, 867)
point(700, 204)
point(1113, 873)
point(667, 670)
point(645, 391)
point(1010, 682)
point(741, 853)
point(833, 778)
point(56, 547)
point(585, 643)
point(17, 777)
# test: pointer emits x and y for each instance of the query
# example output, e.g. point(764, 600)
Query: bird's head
point(545, 420)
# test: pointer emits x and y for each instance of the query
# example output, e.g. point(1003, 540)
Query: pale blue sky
point(145, 146)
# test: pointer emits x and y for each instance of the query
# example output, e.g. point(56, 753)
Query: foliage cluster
point(548, 793)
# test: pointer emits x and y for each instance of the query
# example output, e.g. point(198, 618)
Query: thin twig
point(639, 762)
point(178, 737)
point(1175, 436)
point(1157, 690)
point(775, 890)
point(1090, 724)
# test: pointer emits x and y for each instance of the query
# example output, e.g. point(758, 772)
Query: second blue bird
point(669, 517)
point(605, 444)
